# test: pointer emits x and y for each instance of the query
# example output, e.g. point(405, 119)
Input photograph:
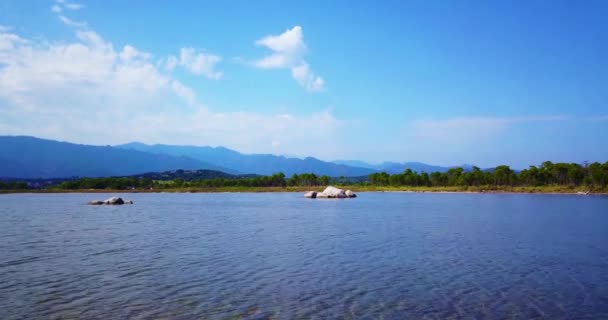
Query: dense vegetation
point(275, 180)
point(13, 185)
point(562, 174)
point(553, 176)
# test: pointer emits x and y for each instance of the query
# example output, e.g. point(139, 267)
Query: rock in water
point(111, 201)
point(310, 194)
point(330, 192)
point(114, 200)
point(333, 192)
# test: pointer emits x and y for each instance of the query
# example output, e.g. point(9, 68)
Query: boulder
point(333, 192)
point(111, 201)
point(114, 201)
point(310, 194)
point(330, 192)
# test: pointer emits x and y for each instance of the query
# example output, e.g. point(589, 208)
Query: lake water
point(280, 256)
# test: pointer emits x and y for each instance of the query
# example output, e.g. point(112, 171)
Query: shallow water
point(280, 256)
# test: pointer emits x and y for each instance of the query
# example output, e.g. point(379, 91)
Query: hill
point(29, 157)
point(399, 167)
point(262, 164)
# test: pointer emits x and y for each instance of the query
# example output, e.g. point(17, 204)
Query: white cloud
point(183, 91)
point(171, 63)
point(288, 50)
point(69, 22)
point(129, 53)
point(290, 41)
point(72, 6)
point(62, 4)
point(5, 28)
point(8, 41)
point(306, 78)
point(87, 91)
point(58, 8)
point(198, 63)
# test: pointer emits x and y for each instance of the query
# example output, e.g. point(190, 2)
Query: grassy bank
point(356, 188)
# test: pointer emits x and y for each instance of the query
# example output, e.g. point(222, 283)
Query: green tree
point(504, 176)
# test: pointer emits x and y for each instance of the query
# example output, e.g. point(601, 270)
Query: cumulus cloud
point(8, 41)
point(130, 53)
point(88, 91)
point(288, 50)
point(306, 78)
point(199, 63)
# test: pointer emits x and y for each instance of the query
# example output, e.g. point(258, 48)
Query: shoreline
point(549, 190)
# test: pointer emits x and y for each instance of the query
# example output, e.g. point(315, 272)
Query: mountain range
point(263, 164)
point(30, 157)
point(397, 167)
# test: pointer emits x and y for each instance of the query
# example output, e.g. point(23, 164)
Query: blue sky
point(443, 82)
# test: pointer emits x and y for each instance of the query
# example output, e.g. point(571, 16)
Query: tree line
point(13, 185)
point(548, 173)
point(594, 175)
point(275, 180)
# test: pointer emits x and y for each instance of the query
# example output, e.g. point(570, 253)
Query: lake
point(280, 256)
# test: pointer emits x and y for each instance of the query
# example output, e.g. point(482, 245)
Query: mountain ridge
point(398, 167)
point(31, 157)
point(263, 164)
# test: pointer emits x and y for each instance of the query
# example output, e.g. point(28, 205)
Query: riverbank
point(552, 189)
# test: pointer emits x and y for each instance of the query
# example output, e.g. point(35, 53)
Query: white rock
point(321, 195)
point(330, 192)
point(333, 192)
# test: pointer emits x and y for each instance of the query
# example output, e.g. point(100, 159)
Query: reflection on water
point(257, 256)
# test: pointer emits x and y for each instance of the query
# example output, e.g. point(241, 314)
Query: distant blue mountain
point(356, 163)
point(29, 157)
point(396, 167)
point(263, 164)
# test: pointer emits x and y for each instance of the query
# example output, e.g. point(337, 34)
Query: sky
point(441, 82)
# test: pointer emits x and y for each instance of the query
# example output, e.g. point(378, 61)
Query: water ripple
point(275, 256)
